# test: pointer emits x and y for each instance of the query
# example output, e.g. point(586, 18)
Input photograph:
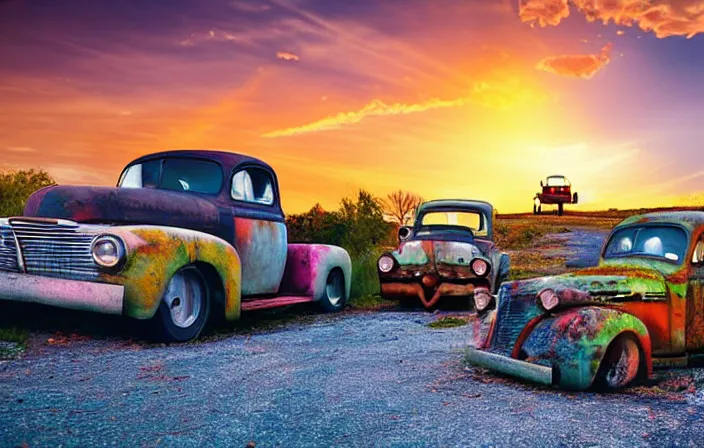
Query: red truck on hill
point(556, 190)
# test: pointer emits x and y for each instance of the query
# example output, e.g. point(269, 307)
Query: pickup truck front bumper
point(510, 366)
point(73, 294)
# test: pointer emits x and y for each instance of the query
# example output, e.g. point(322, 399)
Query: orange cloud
point(496, 92)
point(545, 12)
point(287, 56)
point(576, 65)
point(664, 17)
point(375, 108)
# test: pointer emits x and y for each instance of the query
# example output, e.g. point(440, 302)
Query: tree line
point(359, 224)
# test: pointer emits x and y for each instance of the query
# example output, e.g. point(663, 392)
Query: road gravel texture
point(367, 379)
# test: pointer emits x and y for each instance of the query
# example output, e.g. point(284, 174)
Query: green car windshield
point(662, 242)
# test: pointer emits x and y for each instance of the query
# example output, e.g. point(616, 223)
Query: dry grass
point(448, 322)
point(12, 342)
point(531, 264)
point(523, 238)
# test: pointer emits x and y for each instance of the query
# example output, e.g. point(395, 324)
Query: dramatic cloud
point(249, 6)
point(497, 93)
point(373, 109)
point(576, 65)
point(24, 149)
point(287, 56)
point(545, 12)
point(663, 17)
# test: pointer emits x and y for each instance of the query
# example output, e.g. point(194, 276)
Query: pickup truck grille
point(55, 250)
point(8, 250)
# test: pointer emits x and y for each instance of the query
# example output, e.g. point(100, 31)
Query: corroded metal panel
point(308, 266)
point(261, 245)
point(78, 295)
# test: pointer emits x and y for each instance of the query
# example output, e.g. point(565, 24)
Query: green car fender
point(154, 254)
point(574, 342)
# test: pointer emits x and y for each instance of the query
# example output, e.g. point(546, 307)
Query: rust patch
point(416, 290)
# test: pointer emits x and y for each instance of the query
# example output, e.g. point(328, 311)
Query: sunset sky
point(445, 98)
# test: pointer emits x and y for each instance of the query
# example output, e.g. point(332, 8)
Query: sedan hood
point(618, 281)
point(447, 258)
point(602, 283)
point(111, 205)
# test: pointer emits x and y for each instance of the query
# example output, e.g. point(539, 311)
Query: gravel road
point(362, 379)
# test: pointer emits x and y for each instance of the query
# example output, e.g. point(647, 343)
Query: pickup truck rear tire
point(334, 298)
point(184, 308)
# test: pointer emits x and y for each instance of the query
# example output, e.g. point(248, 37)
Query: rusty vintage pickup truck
point(186, 235)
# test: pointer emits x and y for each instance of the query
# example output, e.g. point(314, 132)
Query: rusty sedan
point(609, 325)
point(449, 252)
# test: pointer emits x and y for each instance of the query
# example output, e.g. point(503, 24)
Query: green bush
point(17, 186)
point(365, 278)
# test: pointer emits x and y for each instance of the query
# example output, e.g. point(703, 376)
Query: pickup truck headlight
point(549, 299)
point(385, 263)
point(107, 251)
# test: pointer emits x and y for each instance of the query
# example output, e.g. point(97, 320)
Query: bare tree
point(401, 206)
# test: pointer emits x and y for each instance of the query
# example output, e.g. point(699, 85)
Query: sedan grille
point(55, 250)
point(514, 312)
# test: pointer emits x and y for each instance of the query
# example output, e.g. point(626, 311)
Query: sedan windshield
point(457, 220)
point(178, 174)
point(666, 242)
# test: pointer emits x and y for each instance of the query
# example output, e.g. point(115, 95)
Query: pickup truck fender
point(155, 254)
point(308, 267)
point(575, 341)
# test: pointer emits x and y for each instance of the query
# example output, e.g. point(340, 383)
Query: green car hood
point(422, 253)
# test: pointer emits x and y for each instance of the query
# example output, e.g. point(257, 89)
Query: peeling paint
point(440, 262)
point(241, 247)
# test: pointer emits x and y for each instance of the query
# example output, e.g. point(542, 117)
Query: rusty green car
point(447, 253)
point(609, 325)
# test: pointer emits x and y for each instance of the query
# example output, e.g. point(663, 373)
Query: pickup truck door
point(694, 331)
point(260, 230)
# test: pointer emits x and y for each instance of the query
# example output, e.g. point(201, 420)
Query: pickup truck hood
point(111, 205)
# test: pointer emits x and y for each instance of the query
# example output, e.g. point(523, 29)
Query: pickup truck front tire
point(334, 298)
point(184, 308)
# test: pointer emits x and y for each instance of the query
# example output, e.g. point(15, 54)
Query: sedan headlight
point(385, 263)
point(549, 299)
point(480, 267)
point(482, 299)
point(108, 251)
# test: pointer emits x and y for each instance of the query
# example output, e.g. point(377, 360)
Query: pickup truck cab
point(184, 235)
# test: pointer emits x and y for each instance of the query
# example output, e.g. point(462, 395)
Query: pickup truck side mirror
point(404, 233)
point(541, 183)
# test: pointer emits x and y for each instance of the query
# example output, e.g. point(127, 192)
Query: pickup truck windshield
point(177, 174)
point(666, 242)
